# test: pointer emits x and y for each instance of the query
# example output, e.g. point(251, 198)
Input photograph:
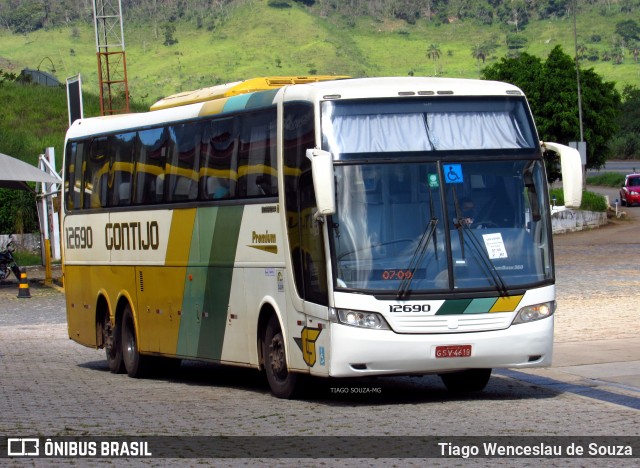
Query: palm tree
point(434, 53)
point(479, 52)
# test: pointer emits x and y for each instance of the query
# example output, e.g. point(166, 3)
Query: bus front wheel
point(282, 382)
point(470, 380)
point(112, 347)
point(135, 364)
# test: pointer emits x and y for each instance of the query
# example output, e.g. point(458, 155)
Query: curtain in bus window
point(257, 175)
point(73, 175)
point(218, 169)
point(474, 130)
point(378, 133)
point(95, 182)
point(149, 170)
point(121, 174)
point(181, 170)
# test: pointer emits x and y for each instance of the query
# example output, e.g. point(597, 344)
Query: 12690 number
point(409, 308)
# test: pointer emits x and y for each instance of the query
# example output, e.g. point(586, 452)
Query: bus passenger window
point(120, 175)
point(218, 168)
point(257, 173)
point(96, 175)
point(149, 169)
point(73, 179)
point(181, 170)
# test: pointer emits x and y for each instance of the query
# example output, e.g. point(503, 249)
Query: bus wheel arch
point(283, 383)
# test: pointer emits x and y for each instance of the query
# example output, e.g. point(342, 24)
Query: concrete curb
point(569, 220)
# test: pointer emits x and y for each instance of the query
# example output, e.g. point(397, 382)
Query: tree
point(434, 53)
point(626, 143)
point(629, 30)
point(551, 88)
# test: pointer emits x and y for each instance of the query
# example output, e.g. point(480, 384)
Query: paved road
point(622, 166)
point(50, 386)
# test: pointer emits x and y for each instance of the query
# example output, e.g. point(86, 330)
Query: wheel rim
point(107, 337)
point(277, 358)
point(130, 341)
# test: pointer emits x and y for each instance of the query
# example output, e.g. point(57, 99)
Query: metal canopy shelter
point(14, 174)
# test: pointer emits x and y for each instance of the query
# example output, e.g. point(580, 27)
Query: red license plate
point(453, 351)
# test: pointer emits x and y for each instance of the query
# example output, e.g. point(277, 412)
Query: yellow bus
point(314, 226)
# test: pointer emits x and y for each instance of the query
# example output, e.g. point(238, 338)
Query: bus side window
point(314, 272)
point(219, 159)
point(149, 169)
point(121, 147)
point(96, 174)
point(73, 176)
point(183, 160)
point(257, 172)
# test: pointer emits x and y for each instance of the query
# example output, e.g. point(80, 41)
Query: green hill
point(256, 39)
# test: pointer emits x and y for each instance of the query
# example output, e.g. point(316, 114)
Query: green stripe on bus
point(195, 281)
point(236, 103)
point(262, 99)
point(480, 306)
point(454, 306)
point(224, 243)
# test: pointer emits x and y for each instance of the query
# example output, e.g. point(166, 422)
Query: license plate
point(453, 351)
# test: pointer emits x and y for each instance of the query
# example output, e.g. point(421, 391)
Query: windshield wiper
point(418, 255)
point(462, 225)
point(486, 261)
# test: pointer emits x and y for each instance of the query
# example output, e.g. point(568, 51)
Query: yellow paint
point(236, 88)
point(179, 244)
point(160, 295)
point(213, 107)
point(506, 304)
point(309, 337)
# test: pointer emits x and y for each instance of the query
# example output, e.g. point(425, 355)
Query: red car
point(630, 191)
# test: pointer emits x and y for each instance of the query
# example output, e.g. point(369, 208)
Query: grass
point(608, 179)
point(258, 40)
point(26, 258)
point(590, 201)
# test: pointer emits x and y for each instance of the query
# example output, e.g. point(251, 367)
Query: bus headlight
point(535, 312)
point(355, 318)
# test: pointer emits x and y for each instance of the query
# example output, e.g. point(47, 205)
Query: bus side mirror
point(323, 181)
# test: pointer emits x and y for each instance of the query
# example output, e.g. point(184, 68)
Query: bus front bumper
point(360, 352)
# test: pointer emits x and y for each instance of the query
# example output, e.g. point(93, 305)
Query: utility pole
point(112, 64)
point(581, 145)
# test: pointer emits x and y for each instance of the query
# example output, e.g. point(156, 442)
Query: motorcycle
point(7, 262)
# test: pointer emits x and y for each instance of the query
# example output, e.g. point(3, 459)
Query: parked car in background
point(630, 191)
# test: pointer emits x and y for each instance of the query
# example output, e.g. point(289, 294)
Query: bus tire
point(284, 384)
point(470, 380)
point(112, 347)
point(135, 364)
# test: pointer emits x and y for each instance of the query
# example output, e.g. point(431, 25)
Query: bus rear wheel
point(111, 342)
point(470, 380)
point(135, 364)
point(284, 384)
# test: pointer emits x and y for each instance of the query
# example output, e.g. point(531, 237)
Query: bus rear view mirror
point(323, 181)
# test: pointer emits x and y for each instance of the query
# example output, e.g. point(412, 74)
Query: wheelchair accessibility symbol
point(453, 173)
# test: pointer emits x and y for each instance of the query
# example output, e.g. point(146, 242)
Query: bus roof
point(231, 96)
point(236, 88)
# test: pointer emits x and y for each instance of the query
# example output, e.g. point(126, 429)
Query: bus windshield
point(413, 220)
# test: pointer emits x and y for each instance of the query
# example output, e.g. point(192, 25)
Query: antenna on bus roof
point(238, 87)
